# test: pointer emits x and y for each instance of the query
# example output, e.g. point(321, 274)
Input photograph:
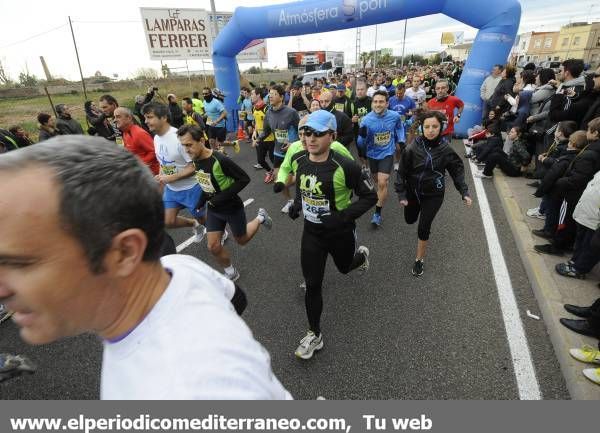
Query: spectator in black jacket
point(108, 105)
point(175, 111)
point(568, 190)
point(574, 95)
point(47, 127)
point(504, 87)
point(8, 141)
point(140, 101)
point(65, 122)
point(594, 110)
point(21, 136)
point(97, 120)
point(513, 164)
point(345, 130)
point(550, 207)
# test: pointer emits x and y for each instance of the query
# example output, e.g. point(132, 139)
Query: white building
point(518, 53)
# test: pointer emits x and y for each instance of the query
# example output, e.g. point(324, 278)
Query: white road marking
point(527, 383)
point(182, 246)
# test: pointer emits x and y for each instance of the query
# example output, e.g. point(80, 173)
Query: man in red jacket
point(136, 139)
point(446, 104)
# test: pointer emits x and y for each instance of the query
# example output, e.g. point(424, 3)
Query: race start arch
point(497, 22)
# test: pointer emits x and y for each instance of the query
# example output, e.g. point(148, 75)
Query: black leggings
point(500, 159)
point(264, 148)
point(427, 208)
point(313, 256)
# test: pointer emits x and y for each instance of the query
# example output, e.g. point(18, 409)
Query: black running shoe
point(417, 269)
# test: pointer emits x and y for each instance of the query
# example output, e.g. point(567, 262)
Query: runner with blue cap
point(325, 185)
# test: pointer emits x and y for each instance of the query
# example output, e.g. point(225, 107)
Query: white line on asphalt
point(182, 246)
point(527, 383)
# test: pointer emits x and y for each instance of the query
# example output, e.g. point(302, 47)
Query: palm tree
point(365, 58)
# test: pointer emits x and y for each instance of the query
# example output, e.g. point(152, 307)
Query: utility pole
point(375, 53)
point(403, 44)
point(358, 62)
point(214, 18)
point(78, 62)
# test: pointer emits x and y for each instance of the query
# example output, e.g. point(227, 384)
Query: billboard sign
point(177, 34)
point(254, 52)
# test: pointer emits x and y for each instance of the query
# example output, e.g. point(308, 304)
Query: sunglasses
point(310, 132)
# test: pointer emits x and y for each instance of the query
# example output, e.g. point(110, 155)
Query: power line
point(108, 22)
point(32, 37)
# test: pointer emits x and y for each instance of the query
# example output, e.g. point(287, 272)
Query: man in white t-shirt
point(181, 190)
point(169, 328)
point(376, 87)
point(416, 92)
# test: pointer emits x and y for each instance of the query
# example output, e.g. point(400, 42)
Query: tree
point(28, 80)
point(365, 58)
point(4, 80)
point(385, 60)
point(146, 74)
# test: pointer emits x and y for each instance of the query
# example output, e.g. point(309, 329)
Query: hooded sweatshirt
point(283, 123)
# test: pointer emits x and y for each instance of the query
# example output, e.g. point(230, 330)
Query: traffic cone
point(240, 133)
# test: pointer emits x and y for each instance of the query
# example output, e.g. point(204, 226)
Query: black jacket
point(44, 134)
point(345, 130)
point(581, 170)
point(592, 112)
point(422, 168)
point(555, 172)
point(504, 87)
point(176, 115)
point(100, 123)
point(555, 151)
point(137, 109)
point(68, 126)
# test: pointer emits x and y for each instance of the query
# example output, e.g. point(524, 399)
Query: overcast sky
point(110, 36)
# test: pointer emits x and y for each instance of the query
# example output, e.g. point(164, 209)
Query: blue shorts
point(187, 199)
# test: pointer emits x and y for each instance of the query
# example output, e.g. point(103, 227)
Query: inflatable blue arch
point(497, 22)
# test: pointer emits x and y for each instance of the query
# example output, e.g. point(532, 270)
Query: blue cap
point(341, 87)
point(321, 121)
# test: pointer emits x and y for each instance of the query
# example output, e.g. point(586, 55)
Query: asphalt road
point(387, 335)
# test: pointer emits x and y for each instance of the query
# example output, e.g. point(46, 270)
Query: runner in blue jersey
point(381, 133)
point(405, 107)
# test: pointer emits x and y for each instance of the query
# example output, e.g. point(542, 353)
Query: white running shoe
point(365, 266)
point(303, 285)
point(233, 277)
point(267, 221)
point(592, 374)
point(308, 345)
point(224, 237)
point(287, 206)
point(535, 213)
point(199, 231)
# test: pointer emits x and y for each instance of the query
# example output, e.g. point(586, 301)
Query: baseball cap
point(321, 121)
point(332, 86)
point(341, 87)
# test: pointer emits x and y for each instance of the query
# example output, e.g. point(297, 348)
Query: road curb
point(548, 295)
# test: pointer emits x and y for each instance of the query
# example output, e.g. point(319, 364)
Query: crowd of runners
point(328, 147)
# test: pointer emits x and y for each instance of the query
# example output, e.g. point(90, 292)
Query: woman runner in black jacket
point(420, 182)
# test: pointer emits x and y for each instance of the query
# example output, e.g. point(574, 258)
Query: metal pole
point(188, 74)
point(204, 72)
point(78, 62)
point(51, 103)
point(214, 18)
point(403, 44)
point(375, 53)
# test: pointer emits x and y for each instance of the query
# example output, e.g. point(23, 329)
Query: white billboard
point(177, 34)
point(254, 52)
point(187, 34)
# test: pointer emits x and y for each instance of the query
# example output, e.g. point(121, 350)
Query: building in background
point(542, 47)
point(518, 53)
point(459, 52)
point(579, 41)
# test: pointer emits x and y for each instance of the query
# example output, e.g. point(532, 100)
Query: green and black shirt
point(221, 180)
point(327, 188)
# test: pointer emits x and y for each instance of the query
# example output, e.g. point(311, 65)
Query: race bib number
point(120, 142)
point(168, 169)
point(314, 208)
point(340, 107)
point(281, 135)
point(382, 138)
point(205, 182)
